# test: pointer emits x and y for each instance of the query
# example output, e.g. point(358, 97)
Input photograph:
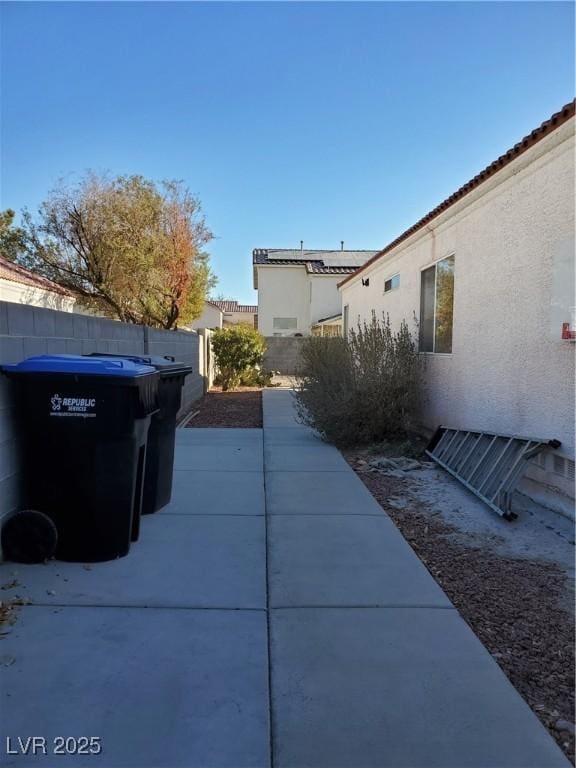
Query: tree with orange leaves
point(126, 247)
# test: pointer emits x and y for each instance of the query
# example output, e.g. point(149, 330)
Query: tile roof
point(17, 274)
point(317, 262)
point(547, 127)
point(232, 306)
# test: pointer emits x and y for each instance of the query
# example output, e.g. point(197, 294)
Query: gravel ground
point(286, 382)
point(512, 582)
point(241, 408)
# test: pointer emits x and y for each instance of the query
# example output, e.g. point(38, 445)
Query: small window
point(437, 306)
point(392, 283)
point(285, 323)
point(345, 321)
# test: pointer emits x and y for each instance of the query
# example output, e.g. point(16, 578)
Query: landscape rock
point(393, 466)
point(518, 603)
point(564, 725)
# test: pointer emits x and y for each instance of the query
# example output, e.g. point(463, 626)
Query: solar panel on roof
point(344, 260)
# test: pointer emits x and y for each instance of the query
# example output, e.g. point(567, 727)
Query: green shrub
point(238, 351)
point(256, 377)
point(363, 389)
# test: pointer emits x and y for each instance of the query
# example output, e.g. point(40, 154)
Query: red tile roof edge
point(15, 273)
point(229, 305)
point(547, 127)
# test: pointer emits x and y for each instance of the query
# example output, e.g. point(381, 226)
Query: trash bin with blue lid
point(162, 434)
point(85, 423)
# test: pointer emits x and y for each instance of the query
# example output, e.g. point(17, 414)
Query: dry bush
point(363, 389)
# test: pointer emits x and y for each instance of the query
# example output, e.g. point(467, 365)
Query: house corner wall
point(513, 242)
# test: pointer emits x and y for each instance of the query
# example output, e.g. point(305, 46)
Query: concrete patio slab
point(228, 457)
point(349, 560)
point(216, 493)
point(283, 418)
point(159, 687)
point(278, 408)
point(291, 436)
point(212, 435)
point(183, 561)
point(395, 688)
point(301, 493)
point(140, 652)
point(302, 458)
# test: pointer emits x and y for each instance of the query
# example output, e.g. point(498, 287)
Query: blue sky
point(313, 121)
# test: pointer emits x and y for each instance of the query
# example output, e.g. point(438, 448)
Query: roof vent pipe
point(301, 245)
point(341, 245)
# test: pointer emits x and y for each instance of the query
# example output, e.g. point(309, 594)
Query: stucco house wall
point(324, 296)
point(290, 291)
point(239, 318)
point(19, 293)
point(283, 292)
point(211, 317)
point(513, 242)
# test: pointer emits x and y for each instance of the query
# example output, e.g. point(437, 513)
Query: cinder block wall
point(184, 347)
point(283, 354)
point(26, 331)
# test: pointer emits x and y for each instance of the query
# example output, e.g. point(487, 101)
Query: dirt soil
point(241, 408)
point(517, 606)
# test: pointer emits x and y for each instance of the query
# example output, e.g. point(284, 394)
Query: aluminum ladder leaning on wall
point(487, 464)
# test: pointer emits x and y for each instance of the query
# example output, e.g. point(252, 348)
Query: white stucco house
point(211, 317)
point(222, 313)
point(298, 289)
point(489, 276)
point(234, 313)
point(21, 286)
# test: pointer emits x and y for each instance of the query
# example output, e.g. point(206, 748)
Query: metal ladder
point(487, 464)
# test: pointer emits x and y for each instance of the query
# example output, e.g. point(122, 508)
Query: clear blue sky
point(314, 121)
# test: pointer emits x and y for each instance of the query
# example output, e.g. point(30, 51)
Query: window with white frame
point(285, 323)
point(392, 283)
point(437, 306)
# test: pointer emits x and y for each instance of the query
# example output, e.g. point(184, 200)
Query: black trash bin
point(86, 423)
point(162, 434)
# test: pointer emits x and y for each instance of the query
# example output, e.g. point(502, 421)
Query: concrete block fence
point(283, 354)
point(26, 331)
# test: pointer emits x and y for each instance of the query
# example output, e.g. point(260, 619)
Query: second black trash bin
point(162, 434)
point(86, 424)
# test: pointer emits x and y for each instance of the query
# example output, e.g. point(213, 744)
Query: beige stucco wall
point(325, 299)
point(211, 317)
point(239, 318)
point(513, 242)
point(283, 292)
point(35, 297)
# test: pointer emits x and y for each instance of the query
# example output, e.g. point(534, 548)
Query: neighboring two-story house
point(298, 289)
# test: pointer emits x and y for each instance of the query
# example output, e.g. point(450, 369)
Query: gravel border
point(240, 408)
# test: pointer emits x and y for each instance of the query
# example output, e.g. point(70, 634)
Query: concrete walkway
point(271, 615)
